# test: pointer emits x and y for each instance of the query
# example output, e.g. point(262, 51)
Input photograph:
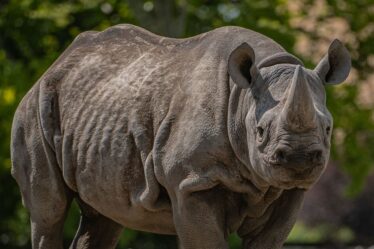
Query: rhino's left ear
point(241, 66)
point(335, 66)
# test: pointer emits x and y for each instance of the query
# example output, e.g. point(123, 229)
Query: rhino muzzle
point(298, 160)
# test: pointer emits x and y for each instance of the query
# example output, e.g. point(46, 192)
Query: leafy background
point(34, 32)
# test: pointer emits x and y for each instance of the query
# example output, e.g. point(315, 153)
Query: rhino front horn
point(298, 112)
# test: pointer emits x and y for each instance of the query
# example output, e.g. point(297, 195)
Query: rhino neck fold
point(237, 111)
point(239, 106)
point(279, 58)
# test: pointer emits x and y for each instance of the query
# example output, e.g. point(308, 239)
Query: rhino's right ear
point(242, 68)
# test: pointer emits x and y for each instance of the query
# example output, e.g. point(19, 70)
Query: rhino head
point(286, 127)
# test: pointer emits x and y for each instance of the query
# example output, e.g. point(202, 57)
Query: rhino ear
point(242, 68)
point(335, 65)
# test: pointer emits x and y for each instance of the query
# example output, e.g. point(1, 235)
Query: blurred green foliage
point(323, 232)
point(34, 32)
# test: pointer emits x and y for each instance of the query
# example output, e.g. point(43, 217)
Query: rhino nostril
point(280, 156)
point(316, 156)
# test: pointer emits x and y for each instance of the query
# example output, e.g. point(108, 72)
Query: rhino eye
point(260, 132)
point(328, 130)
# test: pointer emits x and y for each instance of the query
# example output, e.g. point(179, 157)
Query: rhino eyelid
point(328, 130)
point(260, 131)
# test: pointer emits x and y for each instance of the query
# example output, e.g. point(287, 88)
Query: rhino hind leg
point(34, 167)
point(95, 230)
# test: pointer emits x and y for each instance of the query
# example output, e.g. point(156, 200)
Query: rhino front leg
point(199, 220)
point(95, 230)
point(279, 224)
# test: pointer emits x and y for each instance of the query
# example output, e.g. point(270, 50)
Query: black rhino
point(200, 137)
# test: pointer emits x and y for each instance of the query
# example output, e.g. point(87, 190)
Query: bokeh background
point(338, 211)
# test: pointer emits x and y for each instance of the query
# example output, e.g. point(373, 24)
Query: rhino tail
point(49, 114)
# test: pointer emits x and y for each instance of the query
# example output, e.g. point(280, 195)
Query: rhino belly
point(103, 160)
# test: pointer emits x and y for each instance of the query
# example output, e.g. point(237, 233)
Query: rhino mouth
point(293, 175)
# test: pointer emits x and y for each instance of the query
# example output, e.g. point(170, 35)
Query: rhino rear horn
point(335, 65)
point(298, 112)
point(241, 66)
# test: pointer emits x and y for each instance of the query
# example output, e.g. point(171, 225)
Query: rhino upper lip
point(303, 172)
point(299, 173)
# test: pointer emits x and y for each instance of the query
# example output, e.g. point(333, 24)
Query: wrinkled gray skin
point(199, 137)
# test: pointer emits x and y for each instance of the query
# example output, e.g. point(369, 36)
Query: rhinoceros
point(200, 137)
